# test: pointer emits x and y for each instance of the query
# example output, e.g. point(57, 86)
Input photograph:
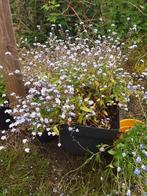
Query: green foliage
point(23, 174)
point(102, 13)
point(26, 174)
point(129, 155)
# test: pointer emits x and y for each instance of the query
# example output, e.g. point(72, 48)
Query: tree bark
point(8, 55)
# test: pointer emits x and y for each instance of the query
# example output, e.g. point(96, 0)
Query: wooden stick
point(8, 55)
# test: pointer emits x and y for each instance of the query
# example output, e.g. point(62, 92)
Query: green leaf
point(85, 109)
point(110, 165)
point(112, 152)
point(97, 158)
point(56, 130)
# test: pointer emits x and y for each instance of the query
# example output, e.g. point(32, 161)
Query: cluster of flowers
point(72, 81)
point(130, 155)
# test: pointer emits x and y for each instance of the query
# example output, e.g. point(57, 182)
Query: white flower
point(63, 115)
point(27, 83)
point(46, 120)
point(141, 60)
point(1, 67)
point(53, 133)
point(8, 53)
point(2, 147)
point(43, 91)
point(128, 193)
point(59, 144)
point(101, 178)
point(27, 150)
point(8, 111)
point(123, 154)
point(70, 128)
point(58, 101)
point(3, 95)
point(3, 137)
point(77, 130)
point(13, 94)
point(143, 167)
point(118, 169)
point(40, 133)
point(11, 74)
point(138, 160)
point(49, 133)
point(17, 71)
point(38, 27)
point(34, 133)
point(24, 141)
point(8, 120)
point(90, 102)
point(102, 149)
point(13, 130)
point(33, 115)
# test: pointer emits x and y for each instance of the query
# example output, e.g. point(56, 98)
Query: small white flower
point(24, 141)
point(27, 83)
point(46, 120)
point(101, 178)
point(63, 116)
point(1, 67)
point(11, 74)
point(40, 133)
point(53, 133)
point(13, 130)
point(123, 154)
point(138, 160)
point(118, 169)
point(58, 101)
point(128, 193)
point(38, 27)
point(8, 111)
point(8, 120)
point(141, 60)
point(8, 53)
point(17, 71)
point(2, 147)
point(59, 144)
point(70, 128)
point(3, 137)
point(27, 150)
point(34, 133)
point(49, 133)
point(143, 167)
point(13, 94)
point(90, 102)
point(3, 95)
point(102, 149)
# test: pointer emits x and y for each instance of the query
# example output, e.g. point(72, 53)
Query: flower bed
point(73, 81)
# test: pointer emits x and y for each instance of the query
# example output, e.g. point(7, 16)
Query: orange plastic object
point(126, 124)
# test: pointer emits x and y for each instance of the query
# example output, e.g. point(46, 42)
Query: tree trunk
point(8, 55)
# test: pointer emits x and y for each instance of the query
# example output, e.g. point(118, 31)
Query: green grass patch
point(47, 170)
point(23, 174)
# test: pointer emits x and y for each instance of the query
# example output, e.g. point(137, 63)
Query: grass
point(23, 174)
point(28, 174)
point(47, 170)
